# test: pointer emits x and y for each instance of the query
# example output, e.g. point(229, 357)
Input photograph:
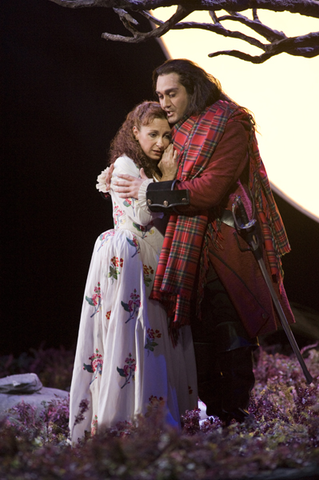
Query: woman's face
point(154, 138)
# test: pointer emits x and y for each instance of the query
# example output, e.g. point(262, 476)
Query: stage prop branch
point(275, 42)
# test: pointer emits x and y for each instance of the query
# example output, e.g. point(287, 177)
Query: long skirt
point(125, 360)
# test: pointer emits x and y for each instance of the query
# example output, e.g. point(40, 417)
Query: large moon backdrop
point(281, 92)
point(64, 94)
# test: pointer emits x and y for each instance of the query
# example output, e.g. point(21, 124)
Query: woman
point(125, 360)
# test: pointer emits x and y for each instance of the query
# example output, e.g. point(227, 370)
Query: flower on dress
point(117, 262)
point(95, 366)
point(104, 237)
point(130, 203)
point(153, 333)
point(104, 180)
point(132, 306)
point(119, 217)
point(147, 272)
point(116, 265)
point(155, 404)
point(96, 299)
point(156, 401)
point(144, 230)
point(150, 339)
point(96, 363)
point(128, 369)
point(94, 425)
point(134, 243)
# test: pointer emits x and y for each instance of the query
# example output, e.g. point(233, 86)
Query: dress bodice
point(132, 214)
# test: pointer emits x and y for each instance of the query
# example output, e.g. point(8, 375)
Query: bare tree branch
point(255, 25)
point(276, 42)
point(180, 13)
point(219, 29)
point(304, 7)
point(293, 46)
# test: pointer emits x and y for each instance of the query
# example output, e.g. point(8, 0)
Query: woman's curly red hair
point(125, 142)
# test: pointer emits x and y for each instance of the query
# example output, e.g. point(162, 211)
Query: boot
point(237, 383)
point(209, 378)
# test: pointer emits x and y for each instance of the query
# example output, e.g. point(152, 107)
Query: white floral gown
point(125, 360)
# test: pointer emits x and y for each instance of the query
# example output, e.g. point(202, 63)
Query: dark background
point(64, 94)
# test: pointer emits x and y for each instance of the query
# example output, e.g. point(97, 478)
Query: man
point(207, 276)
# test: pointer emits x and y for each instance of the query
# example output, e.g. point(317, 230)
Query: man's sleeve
point(222, 171)
point(161, 197)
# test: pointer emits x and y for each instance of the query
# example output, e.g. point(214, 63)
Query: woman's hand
point(127, 185)
point(168, 164)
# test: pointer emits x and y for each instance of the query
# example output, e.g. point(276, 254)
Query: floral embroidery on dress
point(108, 315)
point(154, 404)
point(150, 339)
point(117, 214)
point(134, 243)
point(143, 230)
point(147, 271)
point(95, 366)
point(129, 202)
point(96, 299)
point(156, 401)
point(94, 426)
point(128, 370)
point(132, 306)
point(104, 237)
point(116, 265)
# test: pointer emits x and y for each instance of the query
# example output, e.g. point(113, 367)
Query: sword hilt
point(242, 222)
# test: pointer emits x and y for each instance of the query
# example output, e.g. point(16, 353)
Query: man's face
point(172, 96)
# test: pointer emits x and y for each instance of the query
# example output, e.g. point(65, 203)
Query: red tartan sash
point(195, 140)
point(273, 229)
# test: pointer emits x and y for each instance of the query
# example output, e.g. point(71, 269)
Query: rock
point(27, 388)
point(23, 383)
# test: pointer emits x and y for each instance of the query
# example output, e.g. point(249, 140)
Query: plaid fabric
point(195, 139)
point(274, 233)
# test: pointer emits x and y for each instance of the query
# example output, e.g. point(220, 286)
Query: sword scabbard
point(247, 230)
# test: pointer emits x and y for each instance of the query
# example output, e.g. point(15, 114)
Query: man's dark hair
point(203, 88)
